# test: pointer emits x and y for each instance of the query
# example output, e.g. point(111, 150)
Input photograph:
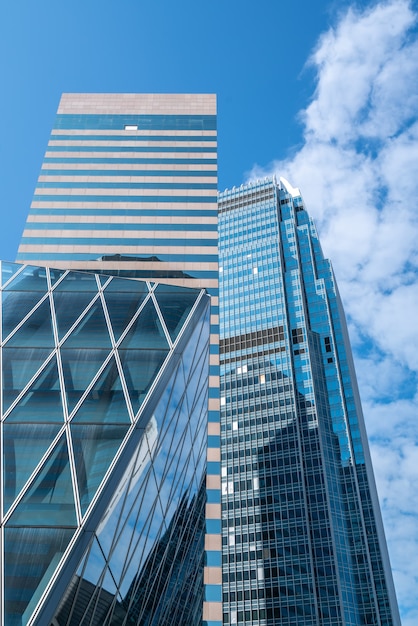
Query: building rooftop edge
point(138, 104)
point(268, 181)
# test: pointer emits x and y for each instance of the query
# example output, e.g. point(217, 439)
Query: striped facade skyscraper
point(129, 184)
point(128, 188)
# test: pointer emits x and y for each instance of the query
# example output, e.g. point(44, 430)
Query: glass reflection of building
point(122, 403)
point(302, 535)
point(104, 420)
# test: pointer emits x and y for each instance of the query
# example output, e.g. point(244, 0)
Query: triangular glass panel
point(105, 402)
point(49, 501)
point(19, 365)
point(175, 304)
point(78, 281)
point(31, 557)
point(79, 367)
point(147, 331)
point(36, 331)
point(8, 269)
point(42, 402)
point(68, 307)
point(94, 450)
point(16, 305)
point(141, 368)
point(125, 285)
point(24, 446)
point(30, 279)
point(123, 298)
point(91, 331)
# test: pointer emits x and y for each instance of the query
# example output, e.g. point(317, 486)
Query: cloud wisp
point(358, 171)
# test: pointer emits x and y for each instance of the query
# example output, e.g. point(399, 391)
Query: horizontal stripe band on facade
point(133, 146)
point(81, 172)
point(129, 136)
point(102, 266)
point(109, 132)
point(149, 122)
point(111, 226)
point(134, 161)
point(102, 179)
point(119, 148)
point(142, 222)
point(131, 155)
point(127, 185)
point(115, 242)
point(182, 258)
point(198, 254)
point(118, 212)
point(126, 198)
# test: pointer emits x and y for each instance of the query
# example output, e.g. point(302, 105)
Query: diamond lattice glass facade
point(302, 535)
point(103, 438)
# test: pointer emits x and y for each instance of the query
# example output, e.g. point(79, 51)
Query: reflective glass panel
point(141, 368)
point(49, 501)
point(94, 449)
point(30, 279)
point(16, 305)
point(24, 446)
point(42, 402)
point(123, 305)
point(175, 304)
point(68, 307)
point(91, 331)
point(19, 365)
point(31, 556)
point(36, 331)
point(78, 281)
point(105, 402)
point(8, 269)
point(79, 368)
point(147, 331)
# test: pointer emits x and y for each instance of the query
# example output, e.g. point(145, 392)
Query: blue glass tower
point(302, 535)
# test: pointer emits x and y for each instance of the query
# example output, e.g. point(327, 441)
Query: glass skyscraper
point(302, 535)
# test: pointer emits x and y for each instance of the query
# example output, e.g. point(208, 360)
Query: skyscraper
point(128, 188)
point(302, 535)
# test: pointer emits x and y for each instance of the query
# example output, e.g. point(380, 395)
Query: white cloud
point(358, 172)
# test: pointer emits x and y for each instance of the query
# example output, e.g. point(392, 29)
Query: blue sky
point(324, 93)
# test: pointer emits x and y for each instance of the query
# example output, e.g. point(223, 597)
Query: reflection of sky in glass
point(178, 462)
point(150, 493)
